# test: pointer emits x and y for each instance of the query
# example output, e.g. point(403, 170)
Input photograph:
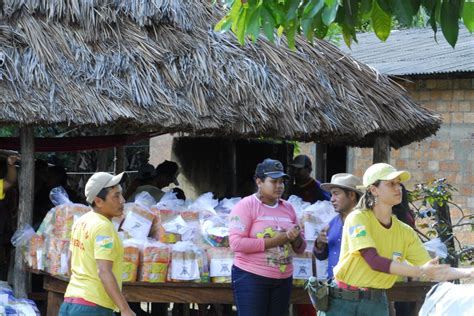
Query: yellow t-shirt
point(363, 230)
point(2, 193)
point(93, 237)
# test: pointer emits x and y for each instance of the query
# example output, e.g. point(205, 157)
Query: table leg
point(54, 303)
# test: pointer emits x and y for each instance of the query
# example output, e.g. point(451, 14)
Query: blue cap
point(270, 168)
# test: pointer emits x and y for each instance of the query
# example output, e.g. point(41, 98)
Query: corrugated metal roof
point(414, 51)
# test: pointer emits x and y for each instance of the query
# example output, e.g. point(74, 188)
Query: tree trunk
point(26, 183)
point(445, 231)
point(382, 149)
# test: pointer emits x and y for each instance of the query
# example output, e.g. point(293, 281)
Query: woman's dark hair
point(102, 194)
point(367, 201)
point(403, 211)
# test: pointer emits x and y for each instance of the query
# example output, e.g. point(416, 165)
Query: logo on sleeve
point(397, 256)
point(105, 242)
point(357, 231)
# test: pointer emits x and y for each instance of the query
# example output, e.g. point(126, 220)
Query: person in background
point(146, 181)
point(263, 227)
point(97, 253)
point(301, 182)
point(11, 176)
point(166, 173)
point(344, 197)
point(375, 246)
point(309, 190)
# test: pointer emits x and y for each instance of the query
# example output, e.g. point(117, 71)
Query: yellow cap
point(383, 171)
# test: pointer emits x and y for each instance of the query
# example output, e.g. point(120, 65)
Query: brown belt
point(356, 295)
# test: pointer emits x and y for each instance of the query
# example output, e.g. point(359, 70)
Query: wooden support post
point(26, 181)
point(382, 149)
point(233, 168)
point(119, 159)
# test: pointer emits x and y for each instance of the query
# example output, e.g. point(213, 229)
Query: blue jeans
point(69, 309)
point(363, 307)
point(255, 295)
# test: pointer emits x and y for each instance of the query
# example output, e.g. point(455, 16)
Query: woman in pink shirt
point(263, 231)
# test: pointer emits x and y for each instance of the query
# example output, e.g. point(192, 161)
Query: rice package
point(167, 212)
point(65, 216)
point(66, 212)
point(188, 263)
point(220, 264)
point(37, 252)
point(138, 220)
point(58, 256)
point(155, 258)
point(131, 259)
point(302, 268)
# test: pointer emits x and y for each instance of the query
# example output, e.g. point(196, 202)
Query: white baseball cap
point(98, 181)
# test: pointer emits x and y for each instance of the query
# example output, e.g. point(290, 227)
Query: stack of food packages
point(303, 263)
point(49, 246)
point(313, 218)
point(186, 240)
point(10, 305)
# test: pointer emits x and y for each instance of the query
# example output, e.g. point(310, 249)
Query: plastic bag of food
point(299, 205)
point(59, 196)
point(316, 217)
point(47, 225)
point(215, 231)
point(138, 220)
point(166, 211)
point(155, 258)
point(225, 206)
point(188, 263)
point(302, 268)
point(220, 264)
point(201, 208)
point(65, 216)
point(58, 256)
point(131, 259)
point(37, 252)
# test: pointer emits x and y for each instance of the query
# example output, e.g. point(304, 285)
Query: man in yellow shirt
point(11, 176)
point(96, 253)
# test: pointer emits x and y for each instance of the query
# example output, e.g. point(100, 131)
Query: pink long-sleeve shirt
point(250, 221)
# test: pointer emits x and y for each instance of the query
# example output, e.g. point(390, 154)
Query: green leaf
point(253, 23)
point(385, 5)
point(329, 13)
point(365, 8)
point(290, 34)
point(308, 29)
point(320, 29)
point(468, 15)
point(268, 24)
point(403, 10)
point(330, 3)
point(241, 26)
point(223, 25)
point(312, 8)
point(381, 22)
point(449, 20)
point(292, 9)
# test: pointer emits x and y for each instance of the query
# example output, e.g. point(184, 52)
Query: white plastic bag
point(437, 247)
point(449, 299)
point(22, 236)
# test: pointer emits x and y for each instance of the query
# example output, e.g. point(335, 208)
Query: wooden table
point(211, 293)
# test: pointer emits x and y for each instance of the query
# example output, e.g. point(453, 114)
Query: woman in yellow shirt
point(375, 247)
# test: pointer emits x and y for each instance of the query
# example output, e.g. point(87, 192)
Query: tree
point(313, 18)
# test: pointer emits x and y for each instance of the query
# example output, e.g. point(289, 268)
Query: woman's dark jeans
point(255, 295)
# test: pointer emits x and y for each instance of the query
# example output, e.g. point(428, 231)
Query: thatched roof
point(157, 65)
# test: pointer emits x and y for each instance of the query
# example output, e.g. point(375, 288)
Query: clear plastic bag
point(166, 211)
point(316, 217)
point(155, 258)
point(437, 247)
point(131, 259)
point(188, 263)
point(138, 220)
point(220, 264)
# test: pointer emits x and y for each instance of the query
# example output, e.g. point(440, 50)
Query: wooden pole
point(382, 149)
point(119, 159)
point(233, 167)
point(26, 181)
